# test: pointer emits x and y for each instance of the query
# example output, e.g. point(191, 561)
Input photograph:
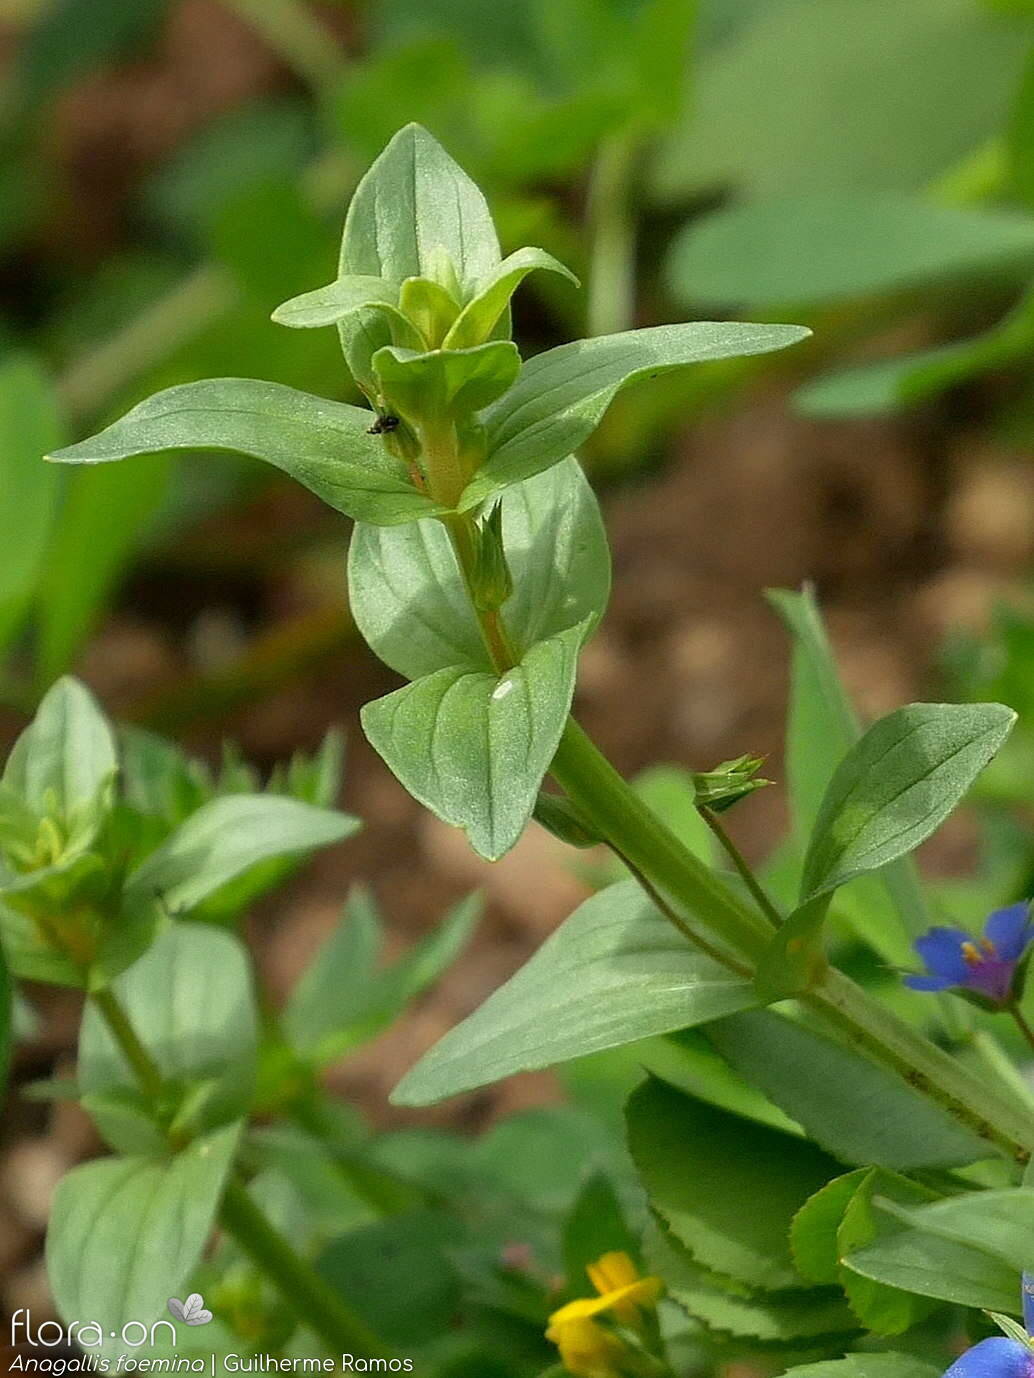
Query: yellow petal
point(612, 1271)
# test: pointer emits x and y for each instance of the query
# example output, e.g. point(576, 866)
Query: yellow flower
point(586, 1348)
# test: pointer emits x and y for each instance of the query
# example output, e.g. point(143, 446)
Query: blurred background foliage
point(171, 170)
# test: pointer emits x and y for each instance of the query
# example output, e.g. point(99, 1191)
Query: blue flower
point(982, 967)
point(994, 1358)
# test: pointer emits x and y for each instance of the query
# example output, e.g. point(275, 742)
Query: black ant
point(384, 425)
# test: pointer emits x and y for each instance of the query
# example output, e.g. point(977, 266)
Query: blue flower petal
point(930, 982)
point(1010, 930)
point(941, 950)
point(997, 1357)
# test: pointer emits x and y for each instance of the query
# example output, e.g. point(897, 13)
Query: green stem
point(1021, 1023)
point(314, 1301)
point(743, 869)
point(717, 920)
point(145, 1069)
point(611, 303)
point(620, 816)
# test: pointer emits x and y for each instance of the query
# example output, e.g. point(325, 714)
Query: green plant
point(478, 568)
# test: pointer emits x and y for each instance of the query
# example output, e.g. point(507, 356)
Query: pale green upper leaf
point(473, 746)
point(615, 972)
point(227, 836)
point(66, 755)
point(414, 203)
point(328, 305)
point(561, 396)
point(324, 445)
point(897, 785)
point(409, 601)
point(445, 381)
point(480, 315)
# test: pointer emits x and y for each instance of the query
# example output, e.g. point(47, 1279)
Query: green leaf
point(409, 600)
point(335, 1008)
point(561, 395)
point(595, 1226)
point(412, 205)
point(888, 385)
point(1000, 1223)
point(66, 757)
point(831, 246)
point(794, 960)
point(7, 1020)
point(813, 1235)
point(482, 313)
point(897, 785)
point(398, 1275)
point(867, 1365)
point(228, 836)
point(330, 304)
point(473, 746)
point(126, 1233)
point(858, 1111)
point(886, 1310)
point(431, 307)
point(366, 331)
point(103, 519)
point(191, 1000)
point(335, 981)
point(772, 1317)
point(728, 1197)
point(613, 973)
point(324, 445)
point(945, 73)
point(917, 1261)
point(445, 382)
point(29, 426)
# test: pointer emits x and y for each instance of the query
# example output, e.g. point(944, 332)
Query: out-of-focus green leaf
point(29, 427)
point(828, 246)
point(788, 104)
point(73, 37)
point(228, 836)
point(126, 1233)
point(103, 519)
point(343, 1000)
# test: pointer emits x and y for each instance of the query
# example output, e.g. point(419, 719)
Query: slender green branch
point(312, 1299)
point(144, 1068)
point(1021, 1023)
point(611, 287)
point(743, 868)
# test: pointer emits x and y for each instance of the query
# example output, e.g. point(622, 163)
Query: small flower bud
point(728, 783)
point(491, 582)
